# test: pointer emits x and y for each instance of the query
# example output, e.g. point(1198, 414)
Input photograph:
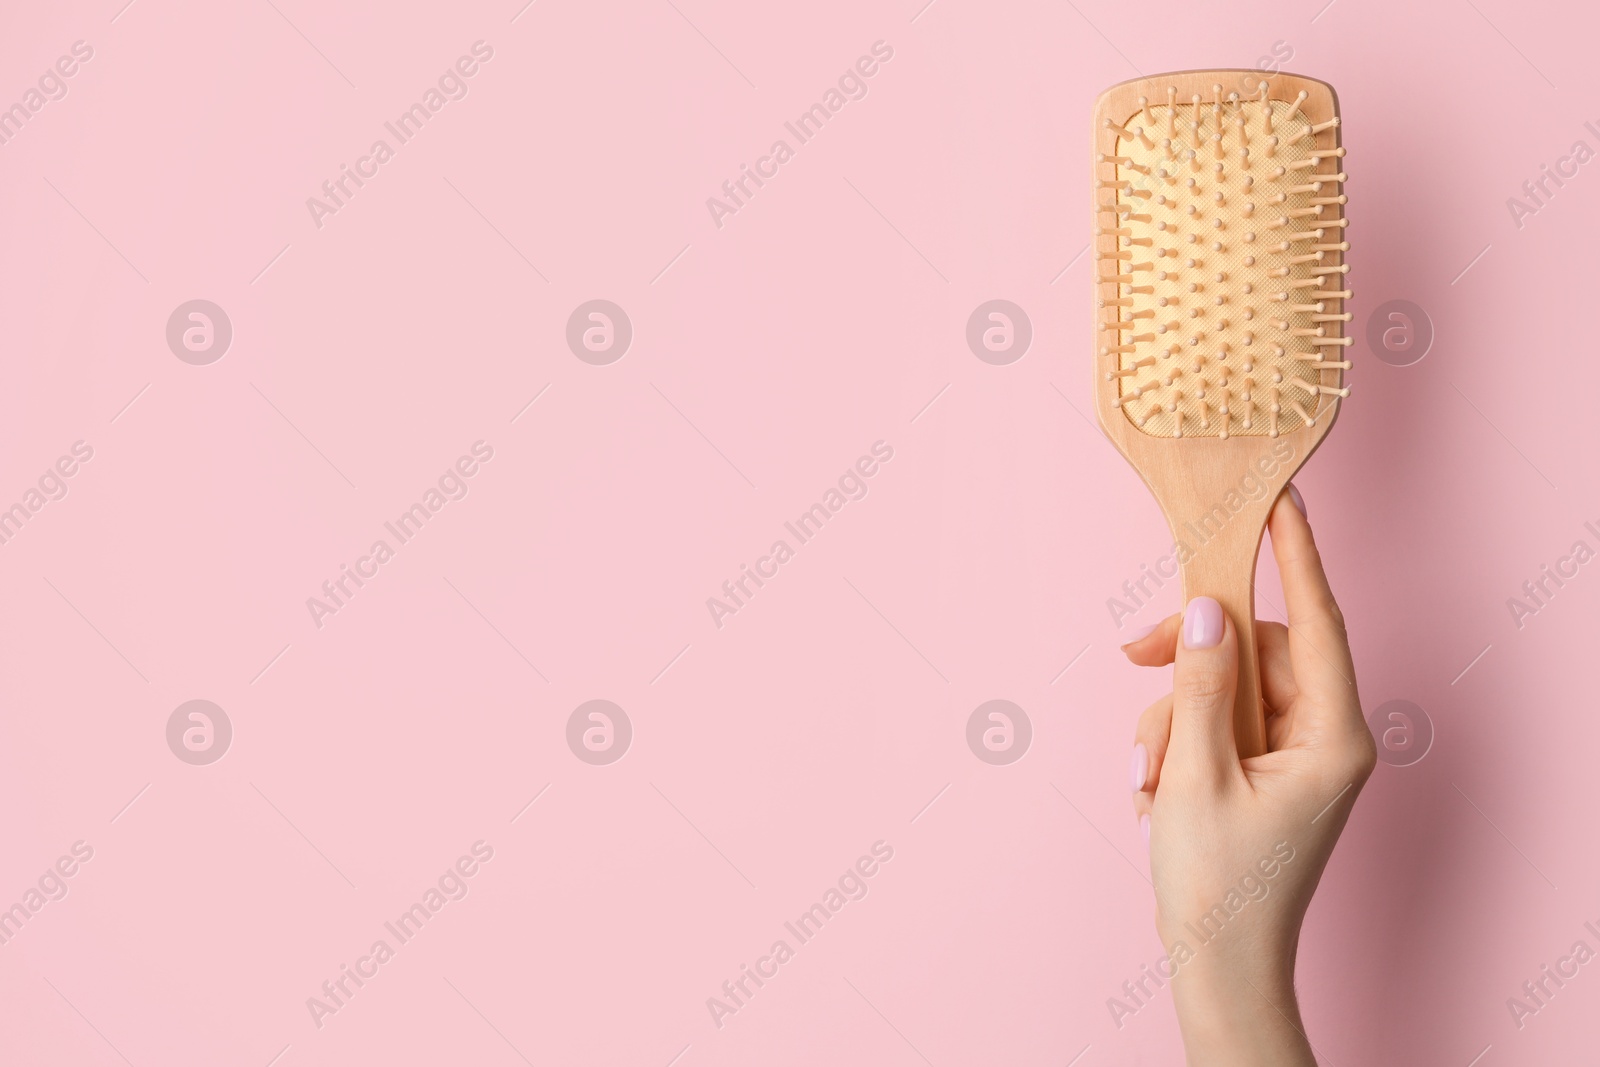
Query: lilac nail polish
point(1144, 826)
point(1297, 500)
point(1140, 634)
point(1202, 623)
point(1140, 769)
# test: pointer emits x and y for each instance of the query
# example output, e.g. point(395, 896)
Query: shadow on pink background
point(374, 347)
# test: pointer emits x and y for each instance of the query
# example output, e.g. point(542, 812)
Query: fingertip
point(1135, 636)
point(1293, 543)
point(1296, 504)
point(1203, 623)
point(1297, 500)
point(1153, 646)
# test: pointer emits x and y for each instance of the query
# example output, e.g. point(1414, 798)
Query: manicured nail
point(1140, 634)
point(1297, 500)
point(1144, 826)
point(1202, 623)
point(1140, 769)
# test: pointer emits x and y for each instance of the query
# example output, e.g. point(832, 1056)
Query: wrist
point(1240, 1014)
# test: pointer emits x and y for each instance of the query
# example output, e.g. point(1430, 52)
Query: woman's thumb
point(1204, 679)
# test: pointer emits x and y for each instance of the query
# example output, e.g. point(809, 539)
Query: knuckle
point(1367, 755)
point(1356, 756)
point(1201, 688)
point(1303, 556)
point(1267, 630)
point(1336, 616)
point(1201, 783)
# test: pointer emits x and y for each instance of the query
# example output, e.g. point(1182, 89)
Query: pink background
point(768, 354)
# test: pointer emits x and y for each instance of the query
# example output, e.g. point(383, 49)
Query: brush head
point(1220, 238)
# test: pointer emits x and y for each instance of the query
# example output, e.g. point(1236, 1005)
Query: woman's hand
point(1237, 846)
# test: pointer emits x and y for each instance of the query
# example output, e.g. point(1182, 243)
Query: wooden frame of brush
point(1215, 492)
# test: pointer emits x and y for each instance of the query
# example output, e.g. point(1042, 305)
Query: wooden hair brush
point(1219, 322)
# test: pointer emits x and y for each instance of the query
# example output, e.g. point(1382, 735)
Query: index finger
point(1319, 648)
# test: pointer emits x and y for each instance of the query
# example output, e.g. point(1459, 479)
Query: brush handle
point(1223, 567)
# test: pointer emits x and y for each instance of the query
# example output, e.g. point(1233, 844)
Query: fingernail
point(1144, 826)
point(1297, 500)
point(1202, 623)
point(1140, 769)
point(1140, 634)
